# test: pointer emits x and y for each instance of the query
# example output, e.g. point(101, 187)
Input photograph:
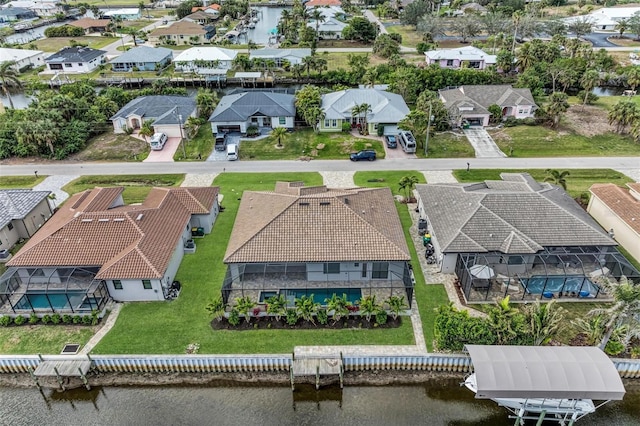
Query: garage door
point(228, 129)
point(391, 130)
point(475, 121)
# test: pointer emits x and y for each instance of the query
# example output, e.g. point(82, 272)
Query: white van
point(232, 152)
point(407, 142)
point(157, 141)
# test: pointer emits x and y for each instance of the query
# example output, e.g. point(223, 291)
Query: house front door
point(135, 123)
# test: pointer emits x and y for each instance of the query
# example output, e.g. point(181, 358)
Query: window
point(10, 226)
point(380, 270)
point(68, 65)
point(146, 284)
point(449, 62)
point(334, 123)
point(515, 260)
point(364, 270)
point(80, 64)
point(474, 64)
point(117, 284)
point(282, 121)
point(326, 123)
point(331, 268)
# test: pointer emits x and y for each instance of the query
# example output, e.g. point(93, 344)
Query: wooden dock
point(318, 366)
point(66, 368)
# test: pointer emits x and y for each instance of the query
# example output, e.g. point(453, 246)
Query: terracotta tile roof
point(127, 242)
point(317, 224)
point(87, 23)
point(180, 28)
point(620, 201)
point(211, 6)
point(319, 3)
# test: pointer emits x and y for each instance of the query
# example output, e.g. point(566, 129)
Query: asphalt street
point(73, 168)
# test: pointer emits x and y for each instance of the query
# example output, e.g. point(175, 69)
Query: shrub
point(252, 131)
point(614, 347)
point(529, 121)
point(346, 127)
point(381, 317)
point(292, 317)
point(55, 318)
point(87, 320)
point(591, 97)
point(19, 320)
point(76, 319)
point(94, 317)
point(33, 319)
point(66, 319)
point(510, 121)
point(46, 319)
point(5, 320)
point(322, 316)
point(234, 317)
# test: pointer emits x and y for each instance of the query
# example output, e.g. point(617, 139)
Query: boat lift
point(544, 383)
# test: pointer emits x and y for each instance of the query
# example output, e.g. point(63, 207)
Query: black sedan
point(391, 140)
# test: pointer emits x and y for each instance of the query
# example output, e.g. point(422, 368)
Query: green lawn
point(447, 145)
point(41, 339)
point(385, 178)
point(410, 37)
point(14, 182)
point(56, 43)
point(168, 327)
point(539, 141)
point(136, 186)
point(199, 147)
point(578, 181)
point(306, 143)
point(607, 102)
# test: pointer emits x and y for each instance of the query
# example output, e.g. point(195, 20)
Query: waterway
point(437, 402)
point(268, 21)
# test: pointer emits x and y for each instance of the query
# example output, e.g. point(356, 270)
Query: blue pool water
point(536, 285)
point(320, 294)
point(58, 301)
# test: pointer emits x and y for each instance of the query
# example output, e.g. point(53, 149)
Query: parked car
point(407, 142)
point(391, 140)
point(221, 142)
point(365, 154)
point(232, 152)
point(158, 140)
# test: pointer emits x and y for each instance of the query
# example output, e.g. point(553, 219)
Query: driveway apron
point(482, 143)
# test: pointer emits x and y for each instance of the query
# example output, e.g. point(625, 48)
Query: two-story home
point(75, 60)
point(460, 57)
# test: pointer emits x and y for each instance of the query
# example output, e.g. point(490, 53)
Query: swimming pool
point(56, 301)
point(320, 294)
point(536, 285)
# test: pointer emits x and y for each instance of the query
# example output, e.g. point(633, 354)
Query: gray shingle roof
point(162, 109)
point(241, 106)
point(18, 203)
point(385, 107)
point(142, 54)
point(74, 54)
point(515, 215)
point(481, 97)
point(279, 53)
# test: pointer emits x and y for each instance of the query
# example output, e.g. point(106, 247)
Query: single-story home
point(607, 18)
point(90, 25)
point(471, 103)
point(95, 247)
point(330, 29)
point(144, 58)
point(205, 60)
point(281, 56)
point(22, 213)
point(518, 237)
point(201, 17)
point(75, 59)
point(617, 209)
point(12, 14)
point(317, 241)
point(40, 8)
point(126, 14)
point(387, 109)
point(460, 57)
point(236, 112)
point(168, 113)
point(22, 57)
point(181, 33)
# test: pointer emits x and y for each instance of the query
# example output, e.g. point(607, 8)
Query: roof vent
point(140, 216)
point(87, 220)
point(118, 219)
point(103, 220)
point(346, 201)
point(303, 204)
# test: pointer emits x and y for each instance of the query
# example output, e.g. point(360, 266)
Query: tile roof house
point(315, 240)
point(181, 33)
point(96, 247)
point(144, 58)
point(471, 103)
point(532, 236)
point(387, 109)
point(617, 209)
point(22, 213)
point(279, 56)
point(205, 60)
point(321, 3)
point(168, 113)
point(75, 59)
point(12, 14)
point(201, 17)
point(90, 25)
point(22, 57)
point(460, 57)
point(211, 9)
point(236, 112)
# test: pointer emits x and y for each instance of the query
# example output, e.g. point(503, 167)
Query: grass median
point(17, 182)
point(136, 187)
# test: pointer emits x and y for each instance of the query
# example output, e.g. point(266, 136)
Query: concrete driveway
point(482, 143)
point(166, 153)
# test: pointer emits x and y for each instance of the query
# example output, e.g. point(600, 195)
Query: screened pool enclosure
point(52, 290)
point(556, 273)
point(259, 281)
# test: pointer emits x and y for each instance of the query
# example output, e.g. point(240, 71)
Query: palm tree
point(339, 305)
point(276, 305)
point(244, 306)
point(371, 77)
point(621, 26)
point(146, 130)
point(557, 178)
point(318, 17)
point(251, 46)
point(544, 320)
point(308, 63)
point(625, 309)
point(589, 80)
point(623, 114)
point(217, 308)
point(558, 105)
point(9, 79)
point(306, 307)
point(633, 77)
point(206, 100)
point(505, 321)
point(408, 184)
point(279, 133)
point(369, 306)
point(313, 117)
point(396, 305)
point(515, 18)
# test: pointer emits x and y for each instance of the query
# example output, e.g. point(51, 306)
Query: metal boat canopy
point(562, 372)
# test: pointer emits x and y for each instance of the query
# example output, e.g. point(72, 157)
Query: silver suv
point(157, 141)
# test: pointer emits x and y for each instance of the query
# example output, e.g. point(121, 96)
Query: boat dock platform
point(308, 364)
point(64, 368)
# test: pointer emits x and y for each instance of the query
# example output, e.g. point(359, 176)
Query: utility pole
point(179, 117)
point(429, 119)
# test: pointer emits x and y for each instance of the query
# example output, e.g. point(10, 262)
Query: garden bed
point(268, 322)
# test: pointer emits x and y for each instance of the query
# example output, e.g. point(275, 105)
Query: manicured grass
point(578, 181)
point(14, 182)
point(41, 339)
point(168, 327)
point(539, 141)
point(447, 145)
point(635, 262)
point(306, 143)
point(410, 37)
point(136, 186)
point(199, 147)
point(389, 179)
point(607, 102)
point(56, 43)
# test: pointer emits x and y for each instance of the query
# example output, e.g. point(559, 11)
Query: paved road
point(72, 168)
point(112, 49)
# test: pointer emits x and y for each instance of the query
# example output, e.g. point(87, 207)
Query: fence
point(628, 368)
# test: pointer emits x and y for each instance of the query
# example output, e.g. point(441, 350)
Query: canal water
point(437, 402)
point(268, 21)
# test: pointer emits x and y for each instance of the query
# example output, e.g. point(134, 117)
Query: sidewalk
point(55, 184)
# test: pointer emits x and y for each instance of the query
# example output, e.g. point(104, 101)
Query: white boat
point(539, 405)
point(255, 19)
point(251, 25)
